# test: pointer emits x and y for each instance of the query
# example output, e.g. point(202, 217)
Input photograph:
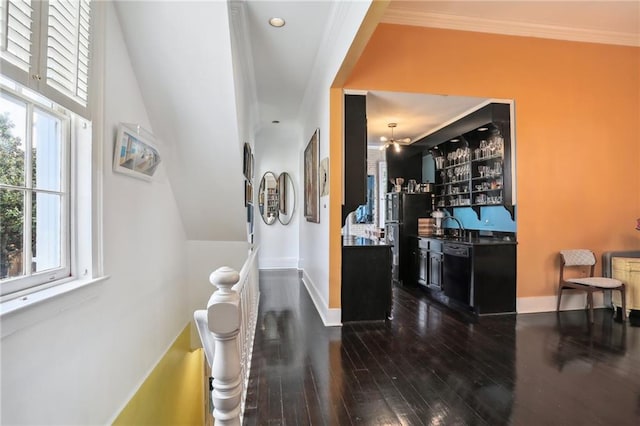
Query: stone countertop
point(473, 239)
point(351, 241)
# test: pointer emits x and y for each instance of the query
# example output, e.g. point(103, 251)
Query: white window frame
point(30, 306)
point(30, 279)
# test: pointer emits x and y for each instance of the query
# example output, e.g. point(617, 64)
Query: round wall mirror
point(286, 198)
point(268, 198)
point(276, 198)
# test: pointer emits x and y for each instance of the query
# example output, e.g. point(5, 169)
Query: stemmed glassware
point(483, 148)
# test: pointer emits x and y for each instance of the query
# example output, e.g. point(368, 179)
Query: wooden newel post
point(223, 314)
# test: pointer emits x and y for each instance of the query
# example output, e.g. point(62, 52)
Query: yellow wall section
point(577, 129)
point(173, 394)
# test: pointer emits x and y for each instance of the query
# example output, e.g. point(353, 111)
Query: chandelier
point(387, 142)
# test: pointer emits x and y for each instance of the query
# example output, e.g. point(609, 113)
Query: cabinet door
point(355, 149)
point(435, 270)
point(423, 273)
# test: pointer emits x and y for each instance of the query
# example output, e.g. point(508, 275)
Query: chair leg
point(559, 297)
point(590, 305)
point(623, 297)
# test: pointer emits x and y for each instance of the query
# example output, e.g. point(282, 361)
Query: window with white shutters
point(16, 16)
point(47, 221)
point(45, 46)
point(68, 48)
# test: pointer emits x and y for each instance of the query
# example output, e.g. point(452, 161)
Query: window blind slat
point(57, 26)
point(67, 50)
point(16, 41)
point(22, 6)
point(57, 51)
point(61, 48)
point(21, 15)
point(61, 24)
point(62, 69)
point(20, 28)
point(65, 6)
point(20, 38)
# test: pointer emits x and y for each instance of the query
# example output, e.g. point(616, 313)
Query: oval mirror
point(268, 198)
point(286, 198)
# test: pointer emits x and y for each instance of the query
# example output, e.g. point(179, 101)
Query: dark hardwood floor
point(428, 366)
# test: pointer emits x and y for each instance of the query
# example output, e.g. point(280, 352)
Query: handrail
point(227, 329)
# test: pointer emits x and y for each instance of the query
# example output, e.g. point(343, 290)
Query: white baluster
point(224, 322)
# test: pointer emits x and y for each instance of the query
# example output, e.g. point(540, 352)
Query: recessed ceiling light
point(276, 121)
point(455, 140)
point(483, 129)
point(276, 22)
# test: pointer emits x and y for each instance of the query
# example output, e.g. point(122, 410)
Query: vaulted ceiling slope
point(181, 54)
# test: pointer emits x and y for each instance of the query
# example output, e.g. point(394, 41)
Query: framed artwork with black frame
point(311, 192)
point(246, 161)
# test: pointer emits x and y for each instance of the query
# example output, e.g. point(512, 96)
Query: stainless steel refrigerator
point(401, 229)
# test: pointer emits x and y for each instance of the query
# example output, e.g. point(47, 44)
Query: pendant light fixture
point(387, 142)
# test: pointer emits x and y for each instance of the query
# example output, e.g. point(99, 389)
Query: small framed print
point(247, 161)
point(248, 193)
point(135, 153)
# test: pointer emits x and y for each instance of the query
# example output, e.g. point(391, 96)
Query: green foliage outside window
point(11, 201)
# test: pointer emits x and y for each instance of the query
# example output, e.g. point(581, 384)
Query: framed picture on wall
point(135, 153)
point(250, 223)
point(323, 176)
point(248, 193)
point(311, 192)
point(247, 161)
point(282, 193)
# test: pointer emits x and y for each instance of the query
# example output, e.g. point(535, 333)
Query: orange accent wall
point(577, 109)
point(336, 106)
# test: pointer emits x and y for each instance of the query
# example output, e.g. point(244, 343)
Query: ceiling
point(284, 58)
point(415, 114)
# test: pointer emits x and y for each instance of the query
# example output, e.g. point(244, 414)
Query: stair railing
point(226, 329)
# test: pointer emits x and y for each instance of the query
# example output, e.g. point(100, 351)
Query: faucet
point(461, 228)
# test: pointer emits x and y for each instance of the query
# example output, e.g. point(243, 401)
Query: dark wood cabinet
point(473, 160)
point(366, 280)
point(435, 270)
point(407, 164)
point(355, 153)
point(430, 254)
point(423, 267)
point(494, 279)
point(476, 277)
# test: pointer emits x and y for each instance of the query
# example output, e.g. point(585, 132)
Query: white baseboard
point(570, 302)
point(334, 317)
point(278, 263)
point(331, 317)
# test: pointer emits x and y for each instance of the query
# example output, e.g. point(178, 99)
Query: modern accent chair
point(586, 260)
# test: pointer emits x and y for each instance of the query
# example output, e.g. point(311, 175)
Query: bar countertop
point(473, 239)
point(353, 241)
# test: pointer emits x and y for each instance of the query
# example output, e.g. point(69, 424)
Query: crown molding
point(497, 26)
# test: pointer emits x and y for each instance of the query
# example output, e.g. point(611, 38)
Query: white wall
point(277, 150)
point(314, 237)
point(181, 55)
point(204, 257)
point(82, 363)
